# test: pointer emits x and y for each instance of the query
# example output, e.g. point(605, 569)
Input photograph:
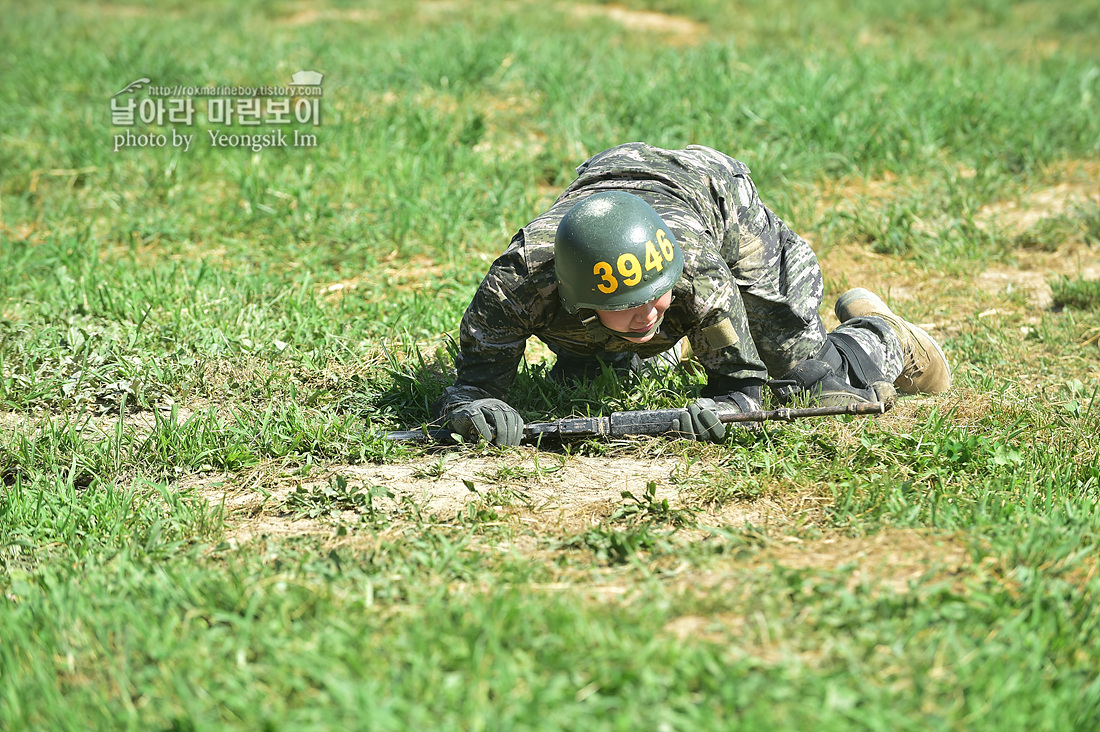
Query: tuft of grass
point(1080, 224)
point(336, 495)
point(1079, 293)
point(633, 527)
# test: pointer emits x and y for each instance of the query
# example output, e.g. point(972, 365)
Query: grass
point(1079, 293)
point(200, 523)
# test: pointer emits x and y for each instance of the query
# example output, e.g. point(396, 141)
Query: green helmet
point(613, 252)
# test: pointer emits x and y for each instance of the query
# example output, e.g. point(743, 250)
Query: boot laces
point(913, 364)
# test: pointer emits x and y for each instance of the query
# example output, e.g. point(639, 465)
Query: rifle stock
point(647, 422)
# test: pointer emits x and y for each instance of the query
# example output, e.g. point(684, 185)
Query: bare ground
point(545, 491)
point(1063, 189)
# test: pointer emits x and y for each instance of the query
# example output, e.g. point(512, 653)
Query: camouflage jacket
point(747, 299)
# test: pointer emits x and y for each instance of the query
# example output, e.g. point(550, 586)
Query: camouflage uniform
point(747, 300)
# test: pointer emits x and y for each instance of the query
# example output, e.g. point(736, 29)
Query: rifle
point(647, 422)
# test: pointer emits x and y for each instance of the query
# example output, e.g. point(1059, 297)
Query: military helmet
point(612, 251)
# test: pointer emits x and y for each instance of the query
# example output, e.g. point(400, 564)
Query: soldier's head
point(615, 255)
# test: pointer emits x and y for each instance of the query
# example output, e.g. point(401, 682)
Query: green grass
point(1079, 293)
point(177, 325)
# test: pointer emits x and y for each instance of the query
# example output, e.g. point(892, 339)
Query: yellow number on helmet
point(652, 258)
point(630, 269)
point(609, 284)
point(666, 245)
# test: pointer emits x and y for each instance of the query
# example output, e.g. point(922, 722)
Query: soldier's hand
point(703, 418)
point(488, 419)
point(700, 421)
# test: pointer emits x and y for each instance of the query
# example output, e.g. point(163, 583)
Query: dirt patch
point(122, 11)
point(504, 122)
point(1066, 189)
point(563, 493)
point(1077, 188)
point(549, 491)
point(510, 118)
point(844, 192)
point(1033, 273)
point(894, 559)
point(398, 271)
point(344, 15)
point(851, 265)
point(1077, 185)
point(676, 30)
point(12, 423)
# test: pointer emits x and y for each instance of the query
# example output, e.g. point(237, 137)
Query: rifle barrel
point(786, 415)
point(422, 435)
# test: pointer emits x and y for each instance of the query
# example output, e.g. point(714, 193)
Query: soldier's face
point(640, 320)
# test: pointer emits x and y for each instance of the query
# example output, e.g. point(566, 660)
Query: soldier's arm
point(492, 336)
point(775, 269)
point(722, 343)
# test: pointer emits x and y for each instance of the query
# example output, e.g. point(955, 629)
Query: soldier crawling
point(648, 246)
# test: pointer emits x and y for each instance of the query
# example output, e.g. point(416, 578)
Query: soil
point(558, 492)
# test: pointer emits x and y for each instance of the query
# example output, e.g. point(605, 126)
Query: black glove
point(489, 419)
point(702, 420)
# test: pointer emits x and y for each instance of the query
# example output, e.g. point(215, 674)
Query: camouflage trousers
point(879, 341)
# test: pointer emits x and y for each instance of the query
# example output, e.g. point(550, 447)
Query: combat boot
point(925, 369)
